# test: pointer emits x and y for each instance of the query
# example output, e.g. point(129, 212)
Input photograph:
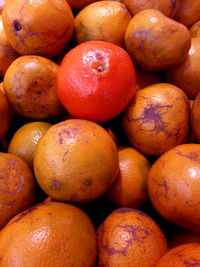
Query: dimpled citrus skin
point(5, 115)
point(181, 256)
point(17, 187)
point(42, 27)
point(103, 21)
point(30, 87)
point(128, 238)
point(79, 161)
point(49, 234)
point(24, 141)
point(173, 185)
point(157, 119)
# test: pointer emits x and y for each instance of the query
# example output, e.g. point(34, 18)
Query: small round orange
point(130, 187)
point(173, 185)
point(157, 119)
point(17, 187)
point(5, 115)
point(185, 255)
point(102, 21)
point(30, 87)
point(25, 139)
point(79, 161)
point(49, 234)
point(128, 238)
point(42, 27)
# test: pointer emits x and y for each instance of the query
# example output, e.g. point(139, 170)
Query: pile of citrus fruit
point(99, 133)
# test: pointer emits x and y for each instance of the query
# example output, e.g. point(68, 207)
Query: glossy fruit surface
point(173, 185)
point(49, 234)
point(129, 237)
point(79, 161)
point(96, 81)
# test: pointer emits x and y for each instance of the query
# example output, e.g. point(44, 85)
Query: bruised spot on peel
point(26, 212)
point(17, 26)
point(123, 210)
point(56, 185)
point(87, 182)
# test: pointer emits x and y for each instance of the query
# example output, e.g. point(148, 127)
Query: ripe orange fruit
point(188, 12)
point(167, 7)
point(38, 27)
point(96, 81)
point(49, 234)
point(30, 86)
point(24, 141)
point(7, 52)
point(130, 187)
point(173, 185)
point(17, 186)
point(102, 21)
point(152, 122)
point(79, 161)
point(181, 256)
point(4, 115)
point(186, 75)
point(130, 238)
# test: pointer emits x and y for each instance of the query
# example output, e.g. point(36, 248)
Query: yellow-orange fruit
point(49, 234)
point(102, 21)
point(38, 27)
point(173, 185)
point(157, 119)
point(79, 161)
point(17, 187)
point(128, 238)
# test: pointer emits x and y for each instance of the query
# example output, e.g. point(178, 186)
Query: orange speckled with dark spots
point(79, 161)
point(17, 187)
point(157, 119)
point(187, 255)
point(153, 40)
point(174, 183)
point(128, 238)
point(49, 234)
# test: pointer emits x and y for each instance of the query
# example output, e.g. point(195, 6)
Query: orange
point(4, 115)
point(103, 21)
point(40, 27)
point(182, 237)
point(7, 52)
point(167, 7)
point(17, 187)
point(173, 185)
point(76, 161)
point(24, 141)
point(96, 81)
point(188, 12)
point(195, 30)
point(30, 86)
point(128, 238)
point(181, 256)
point(186, 75)
point(79, 4)
point(152, 122)
point(130, 187)
point(49, 234)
